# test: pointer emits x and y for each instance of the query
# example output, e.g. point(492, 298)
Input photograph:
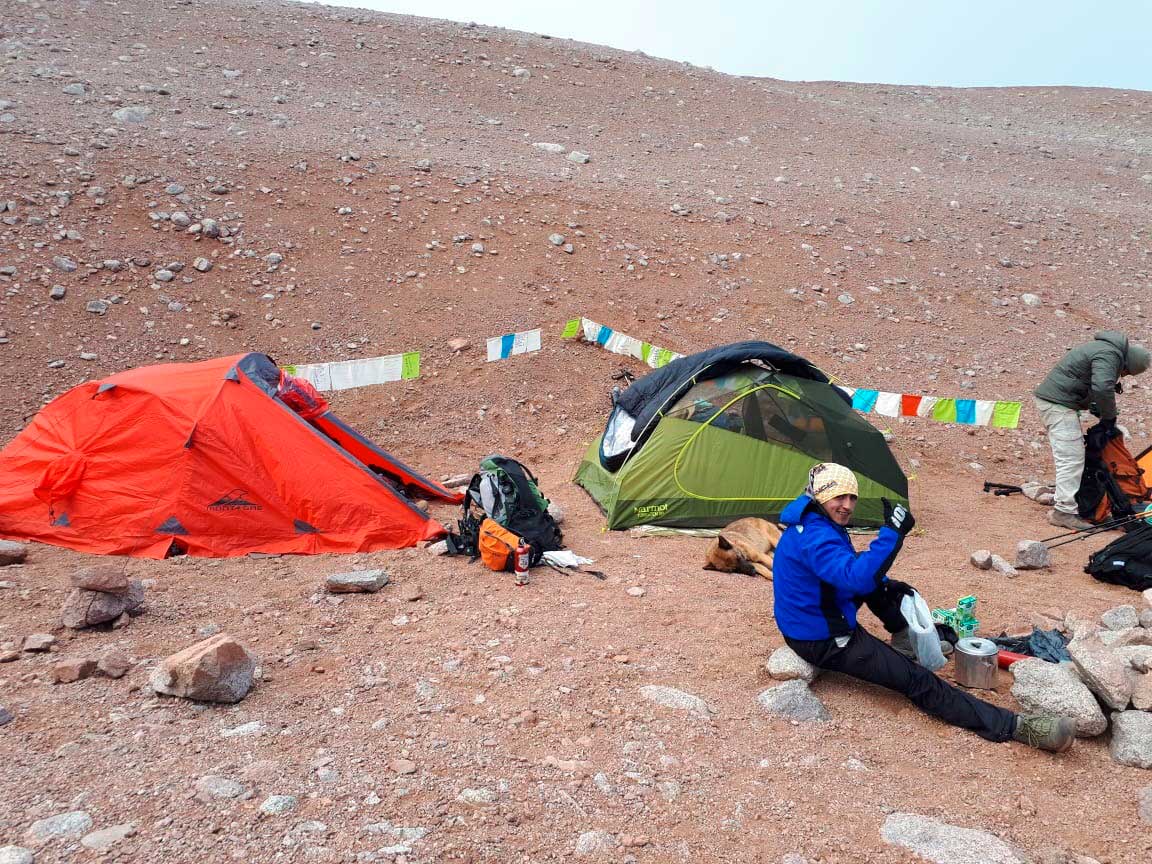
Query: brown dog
point(745, 546)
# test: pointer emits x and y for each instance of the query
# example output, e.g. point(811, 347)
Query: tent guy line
point(345, 374)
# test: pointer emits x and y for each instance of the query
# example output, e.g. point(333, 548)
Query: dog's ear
point(709, 566)
point(723, 543)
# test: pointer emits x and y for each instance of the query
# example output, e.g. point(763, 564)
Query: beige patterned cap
point(829, 480)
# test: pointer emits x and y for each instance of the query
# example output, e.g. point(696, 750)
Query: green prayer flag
point(944, 411)
point(1006, 415)
point(571, 329)
point(410, 365)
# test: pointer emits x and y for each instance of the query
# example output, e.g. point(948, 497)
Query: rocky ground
point(188, 179)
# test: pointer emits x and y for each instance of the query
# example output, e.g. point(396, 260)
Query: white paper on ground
point(566, 558)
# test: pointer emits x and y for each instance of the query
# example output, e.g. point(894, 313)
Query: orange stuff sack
point(497, 546)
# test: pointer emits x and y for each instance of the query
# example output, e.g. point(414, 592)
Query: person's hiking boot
point(1045, 733)
point(1068, 520)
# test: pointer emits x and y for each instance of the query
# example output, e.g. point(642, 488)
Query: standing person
point(820, 583)
point(1087, 378)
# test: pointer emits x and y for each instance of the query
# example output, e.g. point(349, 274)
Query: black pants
point(867, 658)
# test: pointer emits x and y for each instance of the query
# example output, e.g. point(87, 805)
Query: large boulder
point(1132, 738)
point(1052, 688)
point(1107, 672)
point(793, 700)
point(87, 608)
point(786, 665)
point(217, 669)
point(947, 844)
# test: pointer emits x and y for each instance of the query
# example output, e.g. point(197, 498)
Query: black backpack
point(505, 491)
point(1126, 561)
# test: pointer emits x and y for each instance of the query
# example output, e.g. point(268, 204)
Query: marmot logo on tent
point(649, 510)
point(234, 500)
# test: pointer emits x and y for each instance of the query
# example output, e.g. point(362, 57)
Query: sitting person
point(820, 583)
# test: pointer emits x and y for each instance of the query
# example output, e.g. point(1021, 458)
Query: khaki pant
point(1067, 440)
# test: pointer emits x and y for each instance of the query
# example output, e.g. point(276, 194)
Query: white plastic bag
point(921, 631)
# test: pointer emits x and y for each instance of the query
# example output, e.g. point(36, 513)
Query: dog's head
point(728, 558)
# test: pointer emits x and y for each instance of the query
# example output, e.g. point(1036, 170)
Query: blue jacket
point(819, 579)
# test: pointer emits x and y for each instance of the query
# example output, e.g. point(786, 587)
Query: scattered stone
point(212, 786)
point(595, 843)
point(106, 838)
point(1032, 555)
point(579, 158)
point(556, 239)
point(403, 766)
point(440, 547)
point(38, 642)
point(57, 292)
point(670, 697)
point(73, 669)
point(1145, 619)
point(64, 826)
point(97, 307)
point(6, 717)
point(16, 855)
point(1145, 800)
point(202, 264)
point(549, 148)
point(114, 663)
point(1054, 689)
point(64, 264)
point(163, 275)
point(12, 553)
point(73, 89)
point(357, 582)
point(636, 591)
point(1030, 300)
point(278, 805)
point(947, 844)
point(458, 345)
point(786, 665)
point(793, 700)
point(981, 559)
point(1107, 673)
point(208, 228)
point(477, 797)
point(1034, 490)
point(999, 565)
point(132, 114)
point(556, 512)
point(1120, 618)
point(411, 591)
point(217, 669)
point(253, 727)
point(1132, 738)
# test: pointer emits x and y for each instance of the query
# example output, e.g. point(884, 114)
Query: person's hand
point(899, 589)
point(897, 517)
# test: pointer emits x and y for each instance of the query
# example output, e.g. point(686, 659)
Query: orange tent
point(207, 459)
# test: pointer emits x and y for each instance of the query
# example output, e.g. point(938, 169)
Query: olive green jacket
point(1085, 378)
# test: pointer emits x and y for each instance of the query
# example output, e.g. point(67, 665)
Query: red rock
point(114, 663)
point(74, 669)
point(38, 642)
point(217, 669)
point(110, 578)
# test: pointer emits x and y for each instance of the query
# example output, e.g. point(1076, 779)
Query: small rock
point(670, 697)
point(556, 512)
point(477, 797)
point(73, 90)
point(403, 766)
point(73, 669)
point(595, 843)
point(1145, 800)
point(440, 547)
point(132, 114)
point(114, 663)
point(556, 239)
point(1030, 300)
point(163, 275)
point(947, 844)
point(1032, 555)
point(579, 158)
point(411, 591)
point(793, 700)
point(212, 786)
point(999, 565)
point(12, 553)
point(786, 665)
point(6, 717)
point(57, 292)
point(278, 805)
point(64, 264)
point(1120, 618)
point(549, 148)
point(203, 265)
point(217, 669)
point(1132, 738)
point(244, 730)
point(60, 827)
point(106, 838)
point(458, 345)
point(357, 581)
point(38, 642)
point(1054, 689)
point(110, 578)
point(97, 307)
point(981, 559)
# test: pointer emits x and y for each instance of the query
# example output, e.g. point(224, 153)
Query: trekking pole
point(1081, 535)
point(1103, 526)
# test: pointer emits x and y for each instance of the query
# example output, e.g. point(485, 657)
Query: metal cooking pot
point(976, 663)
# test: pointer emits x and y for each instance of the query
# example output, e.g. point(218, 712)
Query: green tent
point(737, 445)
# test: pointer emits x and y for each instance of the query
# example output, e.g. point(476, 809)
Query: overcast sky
point(941, 42)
